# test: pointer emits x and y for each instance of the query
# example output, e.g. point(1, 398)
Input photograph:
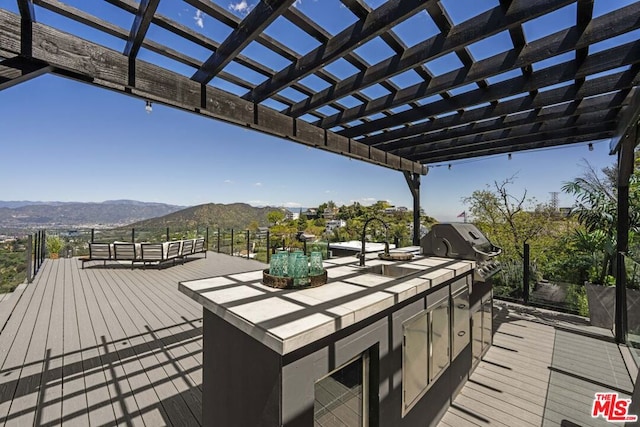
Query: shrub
point(54, 245)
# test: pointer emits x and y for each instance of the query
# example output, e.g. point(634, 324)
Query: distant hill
point(234, 215)
point(75, 214)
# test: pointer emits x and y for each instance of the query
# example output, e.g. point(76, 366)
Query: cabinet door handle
point(463, 306)
point(461, 333)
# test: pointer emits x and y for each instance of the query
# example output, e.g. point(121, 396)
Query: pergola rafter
point(605, 104)
point(482, 106)
point(617, 83)
point(17, 70)
point(599, 120)
point(430, 49)
point(376, 23)
point(140, 25)
point(619, 56)
point(398, 110)
point(263, 14)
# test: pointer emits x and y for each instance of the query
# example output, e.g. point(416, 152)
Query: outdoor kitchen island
point(374, 346)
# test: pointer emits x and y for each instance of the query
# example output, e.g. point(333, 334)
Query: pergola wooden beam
point(618, 56)
point(628, 121)
point(526, 144)
point(555, 44)
point(376, 23)
point(361, 10)
point(444, 138)
point(18, 70)
point(260, 17)
point(620, 81)
point(115, 31)
point(109, 69)
point(169, 25)
point(555, 127)
point(435, 47)
point(140, 26)
point(427, 118)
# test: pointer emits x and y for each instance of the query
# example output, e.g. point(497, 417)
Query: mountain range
point(110, 213)
point(20, 215)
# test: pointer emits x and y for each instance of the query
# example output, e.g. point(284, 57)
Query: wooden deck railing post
point(133, 235)
point(206, 239)
point(93, 234)
point(168, 234)
point(231, 253)
point(218, 248)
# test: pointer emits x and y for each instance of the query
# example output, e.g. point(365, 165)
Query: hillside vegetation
point(236, 215)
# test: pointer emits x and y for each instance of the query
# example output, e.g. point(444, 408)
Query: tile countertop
point(287, 319)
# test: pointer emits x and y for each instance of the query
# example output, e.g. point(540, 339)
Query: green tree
point(596, 210)
point(275, 217)
point(253, 226)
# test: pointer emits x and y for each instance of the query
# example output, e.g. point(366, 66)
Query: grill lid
point(458, 240)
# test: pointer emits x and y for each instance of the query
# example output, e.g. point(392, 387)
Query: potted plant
point(54, 246)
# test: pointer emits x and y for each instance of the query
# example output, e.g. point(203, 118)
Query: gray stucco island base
point(364, 349)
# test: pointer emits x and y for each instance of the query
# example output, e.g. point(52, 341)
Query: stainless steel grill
point(463, 241)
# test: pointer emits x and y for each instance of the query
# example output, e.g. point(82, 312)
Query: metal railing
point(20, 260)
point(250, 244)
point(632, 291)
point(520, 281)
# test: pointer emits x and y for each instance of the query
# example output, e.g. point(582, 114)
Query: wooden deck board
point(31, 364)
point(121, 346)
point(50, 402)
point(537, 374)
point(117, 367)
point(74, 399)
point(130, 317)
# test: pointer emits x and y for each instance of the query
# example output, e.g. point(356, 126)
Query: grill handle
point(489, 255)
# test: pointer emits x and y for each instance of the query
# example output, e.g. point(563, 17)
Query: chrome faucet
point(364, 236)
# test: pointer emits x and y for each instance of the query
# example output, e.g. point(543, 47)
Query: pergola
point(576, 84)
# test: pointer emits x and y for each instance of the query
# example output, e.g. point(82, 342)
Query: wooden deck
point(543, 369)
point(107, 346)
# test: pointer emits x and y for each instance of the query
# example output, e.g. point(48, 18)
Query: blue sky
point(67, 141)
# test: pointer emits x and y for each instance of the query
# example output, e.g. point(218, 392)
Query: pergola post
point(413, 180)
point(625, 169)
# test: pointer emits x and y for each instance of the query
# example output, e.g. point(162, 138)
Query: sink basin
point(390, 270)
point(396, 256)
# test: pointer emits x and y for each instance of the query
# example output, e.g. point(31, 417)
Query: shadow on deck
point(105, 346)
point(543, 369)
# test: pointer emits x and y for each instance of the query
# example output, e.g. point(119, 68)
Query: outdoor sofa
point(145, 253)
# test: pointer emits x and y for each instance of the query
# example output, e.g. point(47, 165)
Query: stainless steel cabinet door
point(439, 340)
point(415, 355)
point(460, 321)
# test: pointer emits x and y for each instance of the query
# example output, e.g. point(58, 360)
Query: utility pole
point(554, 200)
